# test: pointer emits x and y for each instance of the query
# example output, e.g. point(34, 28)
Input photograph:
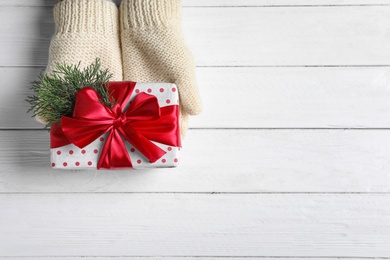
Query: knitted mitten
point(86, 30)
point(153, 50)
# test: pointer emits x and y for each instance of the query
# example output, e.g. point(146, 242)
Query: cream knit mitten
point(86, 30)
point(153, 50)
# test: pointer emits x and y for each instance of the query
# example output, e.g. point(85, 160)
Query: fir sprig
point(54, 95)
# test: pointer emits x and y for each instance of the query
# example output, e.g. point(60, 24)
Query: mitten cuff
point(86, 16)
point(141, 13)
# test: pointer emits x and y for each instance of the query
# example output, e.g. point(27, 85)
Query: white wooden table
point(290, 159)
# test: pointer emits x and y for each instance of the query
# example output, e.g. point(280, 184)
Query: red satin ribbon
point(139, 124)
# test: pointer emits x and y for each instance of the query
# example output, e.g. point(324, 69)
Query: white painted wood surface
point(196, 225)
point(223, 3)
point(255, 97)
point(178, 258)
point(290, 159)
point(235, 161)
point(237, 36)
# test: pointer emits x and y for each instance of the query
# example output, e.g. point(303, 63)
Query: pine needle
point(54, 95)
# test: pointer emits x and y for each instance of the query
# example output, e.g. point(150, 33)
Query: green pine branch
point(54, 95)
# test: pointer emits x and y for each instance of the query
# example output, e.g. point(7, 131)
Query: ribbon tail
point(114, 153)
point(143, 145)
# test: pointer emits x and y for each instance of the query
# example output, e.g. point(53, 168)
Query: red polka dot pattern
point(163, 92)
point(71, 157)
point(74, 157)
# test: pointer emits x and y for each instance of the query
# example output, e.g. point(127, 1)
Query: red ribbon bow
point(142, 122)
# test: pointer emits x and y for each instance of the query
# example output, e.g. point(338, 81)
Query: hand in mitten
point(153, 50)
point(84, 31)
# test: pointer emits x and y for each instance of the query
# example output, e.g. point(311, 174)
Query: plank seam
point(238, 66)
point(197, 193)
point(283, 6)
point(176, 256)
point(297, 66)
point(236, 6)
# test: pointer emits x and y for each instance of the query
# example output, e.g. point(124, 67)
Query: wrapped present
point(140, 131)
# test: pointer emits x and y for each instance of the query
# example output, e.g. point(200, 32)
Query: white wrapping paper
point(71, 157)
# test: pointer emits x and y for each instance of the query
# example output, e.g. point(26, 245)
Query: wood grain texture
point(277, 3)
point(254, 98)
point(235, 36)
point(219, 3)
point(188, 258)
point(266, 193)
point(218, 161)
point(195, 225)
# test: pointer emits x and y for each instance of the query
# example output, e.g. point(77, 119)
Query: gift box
point(140, 131)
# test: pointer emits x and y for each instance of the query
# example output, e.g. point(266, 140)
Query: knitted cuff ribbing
point(86, 16)
point(141, 13)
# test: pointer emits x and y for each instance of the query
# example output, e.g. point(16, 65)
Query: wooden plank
point(236, 36)
point(277, 3)
point(269, 97)
point(216, 3)
point(294, 98)
point(217, 161)
point(186, 258)
point(288, 36)
point(276, 225)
